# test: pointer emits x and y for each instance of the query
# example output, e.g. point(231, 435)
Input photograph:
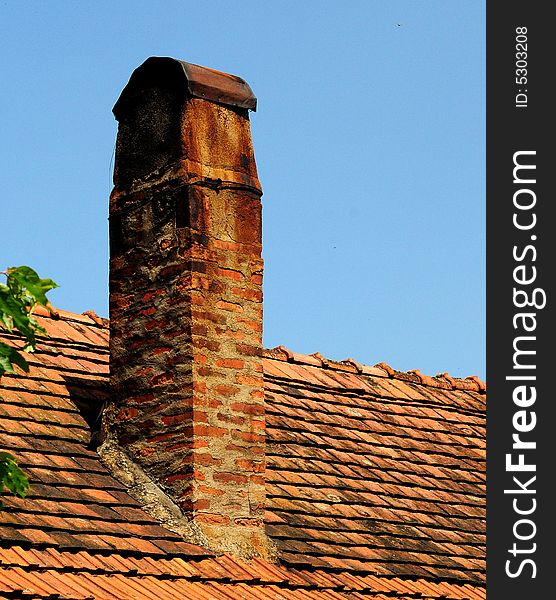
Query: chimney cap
point(199, 82)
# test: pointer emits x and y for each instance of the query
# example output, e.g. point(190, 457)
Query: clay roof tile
point(369, 470)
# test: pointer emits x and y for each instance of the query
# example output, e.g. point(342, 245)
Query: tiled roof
point(81, 575)
point(375, 469)
point(375, 486)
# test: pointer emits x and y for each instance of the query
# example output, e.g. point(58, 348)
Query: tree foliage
point(19, 296)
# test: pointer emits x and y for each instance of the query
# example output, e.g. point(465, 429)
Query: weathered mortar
point(186, 302)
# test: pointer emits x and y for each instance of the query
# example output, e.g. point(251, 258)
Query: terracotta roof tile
point(375, 485)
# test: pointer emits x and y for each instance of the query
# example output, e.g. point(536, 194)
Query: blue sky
point(370, 144)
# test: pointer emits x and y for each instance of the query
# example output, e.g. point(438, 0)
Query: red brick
point(191, 505)
point(230, 363)
point(226, 390)
point(248, 436)
point(209, 431)
point(234, 448)
point(205, 372)
point(143, 371)
point(141, 398)
point(171, 271)
point(187, 445)
point(247, 294)
point(230, 419)
point(250, 409)
point(248, 349)
point(205, 459)
point(231, 306)
point(201, 330)
point(162, 437)
point(230, 477)
point(176, 419)
point(224, 245)
point(249, 380)
point(207, 402)
point(199, 282)
point(167, 243)
point(199, 386)
point(161, 379)
point(161, 350)
point(148, 296)
point(123, 302)
point(198, 475)
point(212, 519)
point(236, 335)
point(210, 491)
point(137, 344)
point(197, 299)
point(245, 522)
point(230, 274)
point(250, 465)
point(177, 477)
point(213, 317)
point(156, 324)
point(254, 325)
point(146, 451)
point(207, 343)
point(200, 416)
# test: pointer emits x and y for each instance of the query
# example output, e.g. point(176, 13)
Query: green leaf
point(25, 278)
point(10, 356)
point(12, 477)
point(36, 327)
point(24, 289)
point(8, 305)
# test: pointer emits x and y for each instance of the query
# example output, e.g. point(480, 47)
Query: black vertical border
point(512, 128)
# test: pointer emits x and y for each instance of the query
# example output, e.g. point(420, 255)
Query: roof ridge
point(88, 317)
point(441, 380)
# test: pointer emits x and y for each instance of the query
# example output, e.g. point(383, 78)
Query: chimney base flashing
point(198, 528)
point(141, 487)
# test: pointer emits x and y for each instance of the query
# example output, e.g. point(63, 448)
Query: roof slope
point(375, 486)
point(369, 472)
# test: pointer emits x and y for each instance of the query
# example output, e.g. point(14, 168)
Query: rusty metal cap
point(199, 82)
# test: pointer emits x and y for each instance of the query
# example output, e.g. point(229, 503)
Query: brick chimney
point(186, 298)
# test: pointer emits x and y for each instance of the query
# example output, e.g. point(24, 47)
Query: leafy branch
point(19, 296)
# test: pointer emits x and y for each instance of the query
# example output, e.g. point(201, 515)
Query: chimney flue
point(186, 297)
